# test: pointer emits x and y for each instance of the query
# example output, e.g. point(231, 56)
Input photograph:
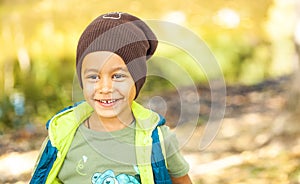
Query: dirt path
point(15, 167)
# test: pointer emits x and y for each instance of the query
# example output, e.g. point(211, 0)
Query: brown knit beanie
point(123, 34)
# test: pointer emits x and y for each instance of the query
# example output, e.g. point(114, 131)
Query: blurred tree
point(39, 37)
point(294, 99)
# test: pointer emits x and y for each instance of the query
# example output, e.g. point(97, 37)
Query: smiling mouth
point(107, 101)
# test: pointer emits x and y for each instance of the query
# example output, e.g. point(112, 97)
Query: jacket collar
point(66, 122)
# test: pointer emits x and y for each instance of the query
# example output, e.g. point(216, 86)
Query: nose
point(104, 85)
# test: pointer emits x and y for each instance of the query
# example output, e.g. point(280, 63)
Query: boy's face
point(107, 85)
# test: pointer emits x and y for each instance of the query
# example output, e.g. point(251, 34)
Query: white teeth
point(107, 101)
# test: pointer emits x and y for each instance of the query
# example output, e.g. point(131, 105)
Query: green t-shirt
point(100, 157)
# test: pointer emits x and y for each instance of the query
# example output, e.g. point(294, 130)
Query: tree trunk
point(294, 96)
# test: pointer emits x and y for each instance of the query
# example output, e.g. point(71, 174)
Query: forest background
point(254, 42)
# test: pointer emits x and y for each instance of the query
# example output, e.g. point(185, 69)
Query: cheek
point(131, 92)
point(127, 89)
point(88, 90)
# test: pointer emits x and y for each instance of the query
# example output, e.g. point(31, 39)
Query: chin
point(108, 115)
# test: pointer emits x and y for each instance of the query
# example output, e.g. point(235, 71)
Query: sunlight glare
point(177, 17)
point(227, 18)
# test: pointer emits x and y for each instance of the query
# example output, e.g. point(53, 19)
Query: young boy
point(109, 138)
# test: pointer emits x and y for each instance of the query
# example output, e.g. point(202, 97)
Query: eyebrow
point(119, 68)
point(90, 70)
point(112, 70)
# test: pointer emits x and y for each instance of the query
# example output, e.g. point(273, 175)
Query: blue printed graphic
point(108, 177)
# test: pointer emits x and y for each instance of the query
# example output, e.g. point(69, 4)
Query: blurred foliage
point(39, 38)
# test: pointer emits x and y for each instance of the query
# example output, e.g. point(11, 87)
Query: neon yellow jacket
point(63, 126)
